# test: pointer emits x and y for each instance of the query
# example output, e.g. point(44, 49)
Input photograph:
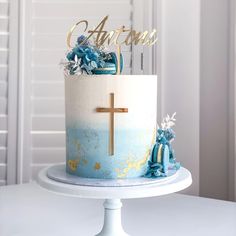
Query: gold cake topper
point(113, 37)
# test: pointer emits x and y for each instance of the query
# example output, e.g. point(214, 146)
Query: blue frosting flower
point(155, 170)
point(79, 51)
point(70, 56)
point(86, 58)
point(82, 39)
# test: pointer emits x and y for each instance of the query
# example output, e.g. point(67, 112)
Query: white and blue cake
point(110, 124)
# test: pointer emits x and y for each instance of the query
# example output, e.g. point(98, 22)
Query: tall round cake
point(110, 124)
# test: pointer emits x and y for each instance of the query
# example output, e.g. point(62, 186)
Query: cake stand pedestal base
point(113, 192)
point(112, 219)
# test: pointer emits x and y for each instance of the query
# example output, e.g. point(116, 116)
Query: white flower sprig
point(168, 122)
point(75, 65)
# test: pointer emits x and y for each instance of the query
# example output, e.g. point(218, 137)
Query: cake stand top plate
point(58, 173)
point(181, 181)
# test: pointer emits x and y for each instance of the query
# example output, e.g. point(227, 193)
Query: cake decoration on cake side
point(162, 156)
point(88, 59)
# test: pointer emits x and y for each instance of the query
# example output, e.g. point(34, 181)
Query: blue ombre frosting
point(87, 152)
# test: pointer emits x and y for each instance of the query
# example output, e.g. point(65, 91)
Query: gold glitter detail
point(73, 164)
point(136, 164)
point(133, 165)
point(85, 162)
point(97, 166)
point(77, 144)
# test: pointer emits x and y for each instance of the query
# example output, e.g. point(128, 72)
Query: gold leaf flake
point(97, 166)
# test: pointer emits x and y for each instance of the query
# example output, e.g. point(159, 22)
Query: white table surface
point(29, 210)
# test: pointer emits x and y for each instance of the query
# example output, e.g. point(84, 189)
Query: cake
point(111, 119)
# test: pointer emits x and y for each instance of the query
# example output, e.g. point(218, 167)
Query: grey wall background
point(214, 98)
point(180, 78)
point(197, 81)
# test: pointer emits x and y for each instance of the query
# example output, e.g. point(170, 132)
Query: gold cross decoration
point(112, 110)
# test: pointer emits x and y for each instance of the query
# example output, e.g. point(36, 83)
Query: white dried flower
point(168, 122)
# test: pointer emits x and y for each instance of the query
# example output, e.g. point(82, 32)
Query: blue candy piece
point(114, 60)
point(107, 69)
point(165, 159)
point(154, 152)
point(161, 155)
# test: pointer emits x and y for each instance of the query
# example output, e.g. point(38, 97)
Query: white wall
point(195, 83)
point(232, 103)
point(214, 99)
point(180, 77)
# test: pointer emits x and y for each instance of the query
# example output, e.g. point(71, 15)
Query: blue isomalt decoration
point(86, 58)
point(113, 59)
point(162, 156)
point(110, 66)
point(107, 69)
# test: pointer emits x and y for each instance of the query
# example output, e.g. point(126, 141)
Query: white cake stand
point(112, 205)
